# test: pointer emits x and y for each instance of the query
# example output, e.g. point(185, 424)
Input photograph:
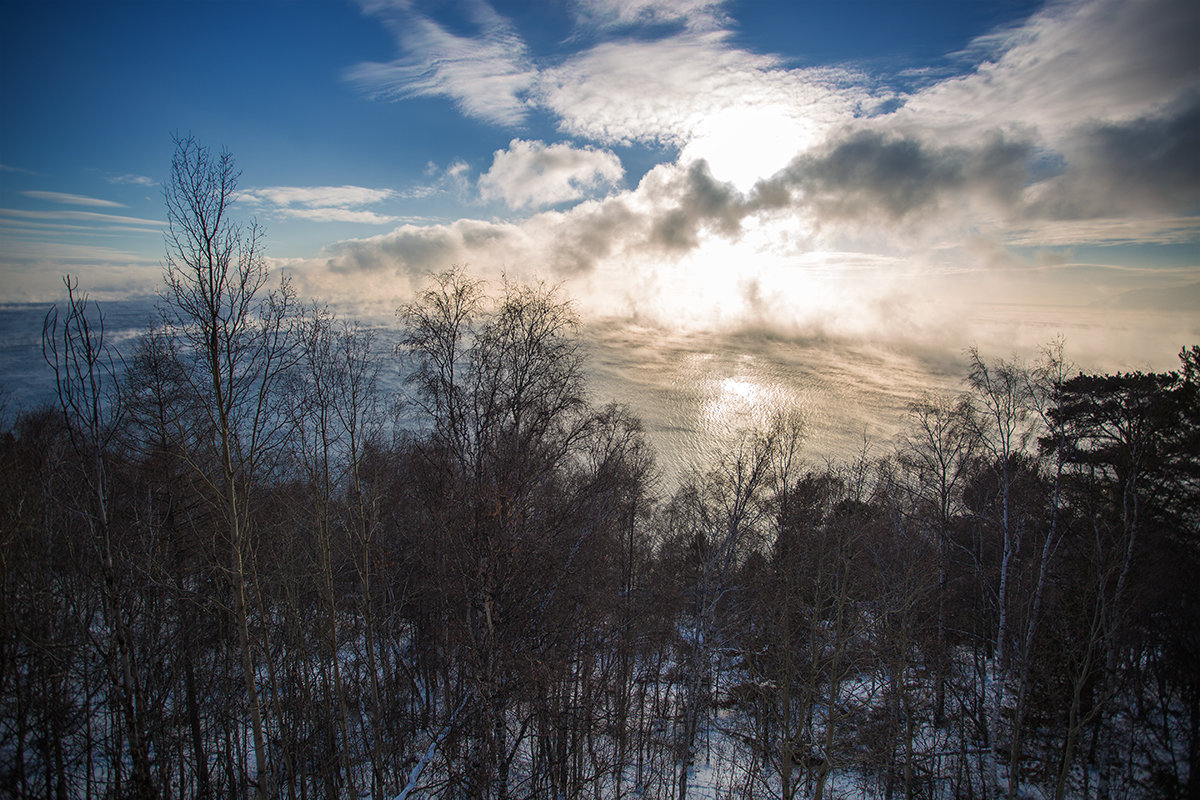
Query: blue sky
point(863, 163)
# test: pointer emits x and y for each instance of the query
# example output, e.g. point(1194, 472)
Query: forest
point(229, 572)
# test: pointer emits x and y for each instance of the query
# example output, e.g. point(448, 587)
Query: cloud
point(487, 76)
point(317, 196)
point(670, 212)
point(869, 174)
point(1149, 230)
point(85, 216)
point(886, 184)
point(1143, 168)
point(532, 173)
point(608, 14)
point(689, 202)
point(1073, 127)
point(1076, 61)
point(339, 215)
point(72, 199)
point(664, 91)
point(32, 268)
point(323, 203)
point(1138, 168)
point(686, 88)
point(133, 180)
point(413, 250)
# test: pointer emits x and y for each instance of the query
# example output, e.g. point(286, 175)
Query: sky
point(858, 168)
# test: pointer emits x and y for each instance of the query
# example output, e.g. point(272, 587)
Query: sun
point(744, 144)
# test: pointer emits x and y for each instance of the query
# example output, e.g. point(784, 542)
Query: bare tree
point(1003, 429)
point(85, 374)
point(935, 455)
point(501, 386)
point(723, 514)
point(234, 336)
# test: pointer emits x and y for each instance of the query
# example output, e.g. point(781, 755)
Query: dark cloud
point(1148, 165)
point(869, 174)
point(599, 231)
point(697, 201)
point(412, 250)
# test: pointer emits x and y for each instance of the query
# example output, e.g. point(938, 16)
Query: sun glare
point(744, 144)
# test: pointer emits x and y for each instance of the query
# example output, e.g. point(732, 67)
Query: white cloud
point(681, 90)
point(339, 215)
point(72, 199)
point(536, 174)
point(487, 76)
point(666, 90)
point(86, 216)
point(317, 196)
point(606, 14)
point(133, 180)
point(324, 203)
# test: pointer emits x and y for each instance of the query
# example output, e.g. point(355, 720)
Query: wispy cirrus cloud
point(533, 173)
point(84, 216)
point(674, 90)
point(1072, 63)
point(488, 75)
point(72, 199)
point(129, 179)
point(359, 216)
point(747, 114)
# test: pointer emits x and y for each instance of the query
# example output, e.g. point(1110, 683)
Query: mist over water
point(695, 389)
point(26, 380)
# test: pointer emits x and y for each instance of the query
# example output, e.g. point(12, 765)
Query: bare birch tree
point(234, 335)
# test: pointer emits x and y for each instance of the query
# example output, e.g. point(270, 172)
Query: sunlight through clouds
point(668, 90)
point(1070, 127)
point(791, 167)
point(744, 144)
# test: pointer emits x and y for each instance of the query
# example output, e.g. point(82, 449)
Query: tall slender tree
point(235, 337)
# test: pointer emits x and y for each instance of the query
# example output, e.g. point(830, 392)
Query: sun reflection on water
point(735, 403)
